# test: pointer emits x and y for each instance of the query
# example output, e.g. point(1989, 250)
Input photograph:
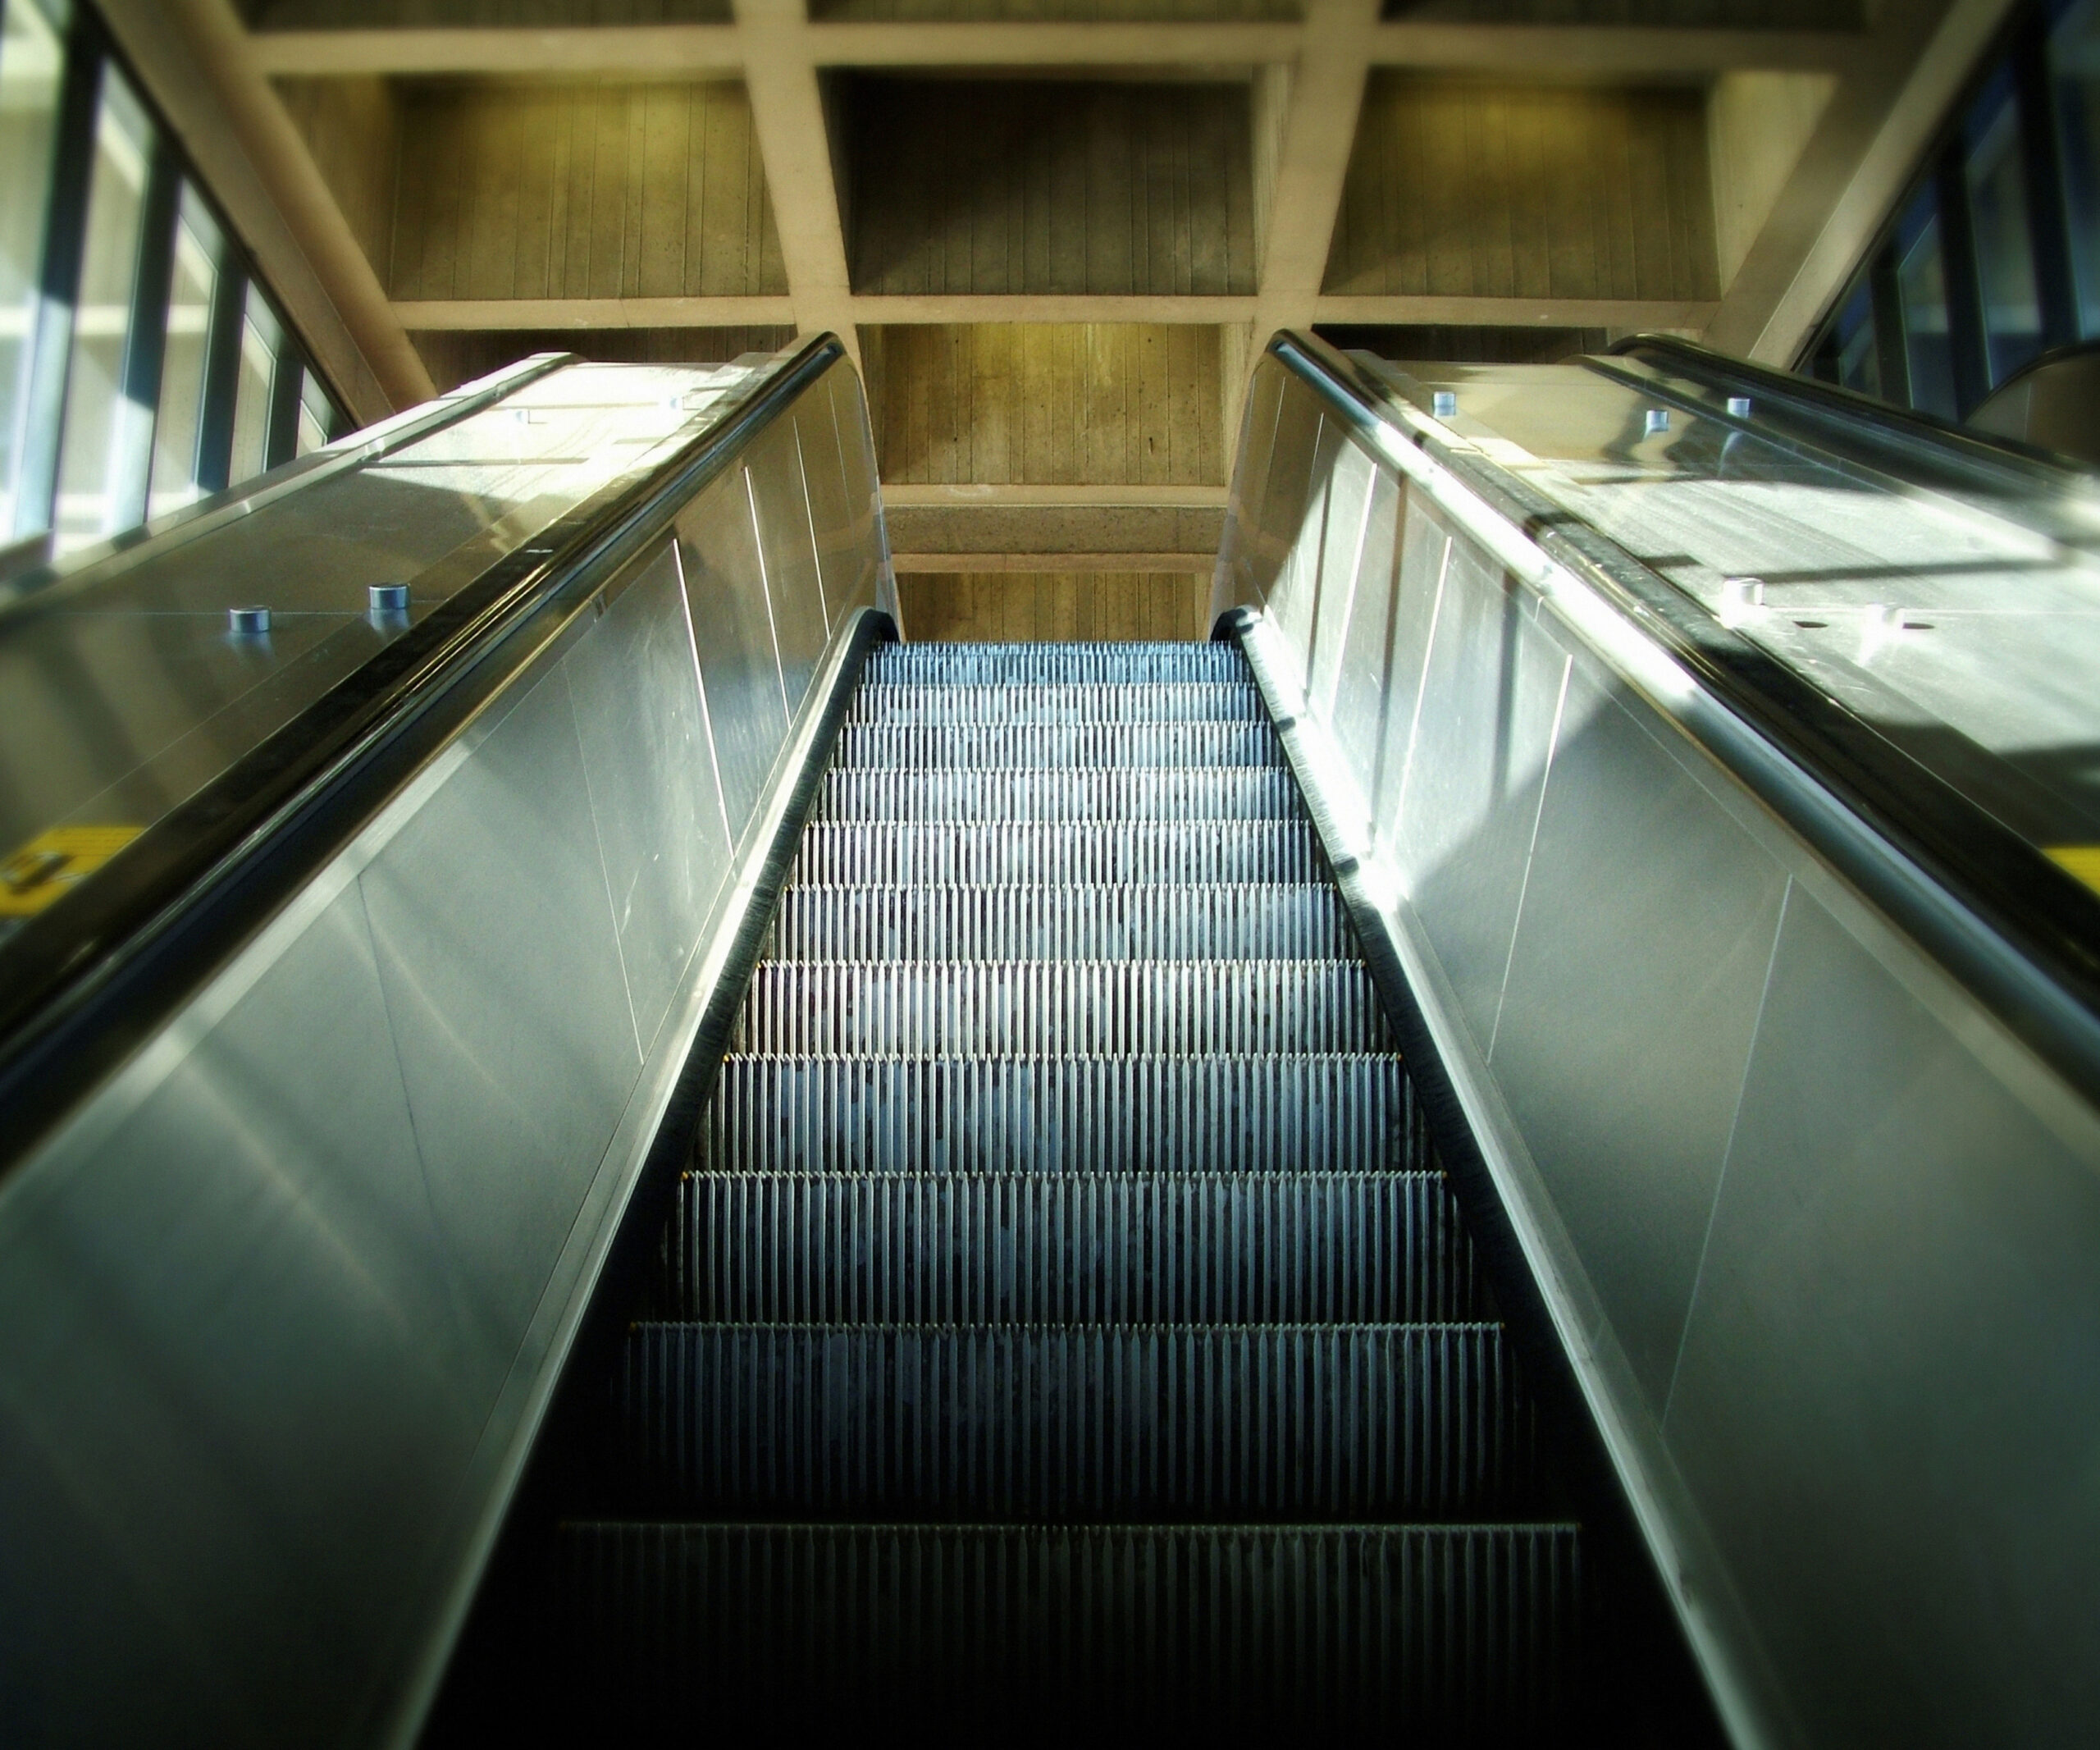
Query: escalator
point(1064, 1322)
point(1509, 1151)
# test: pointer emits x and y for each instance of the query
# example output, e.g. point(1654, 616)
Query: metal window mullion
point(1966, 342)
point(41, 416)
point(145, 343)
point(1891, 349)
point(281, 428)
point(213, 467)
point(2048, 217)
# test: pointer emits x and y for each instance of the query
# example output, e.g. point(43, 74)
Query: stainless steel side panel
point(732, 623)
point(1822, 1238)
point(282, 1306)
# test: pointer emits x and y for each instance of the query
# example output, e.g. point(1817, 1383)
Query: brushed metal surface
point(1491, 690)
point(238, 1387)
point(787, 543)
point(653, 796)
point(1817, 1230)
point(732, 630)
point(1350, 500)
point(1634, 986)
point(1886, 1404)
point(502, 972)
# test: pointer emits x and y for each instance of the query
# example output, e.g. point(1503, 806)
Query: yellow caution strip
point(51, 864)
point(2081, 860)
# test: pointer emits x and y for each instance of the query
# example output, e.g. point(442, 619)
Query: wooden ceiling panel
point(1052, 187)
point(1460, 188)
point(596, 190)
point(1046, 403)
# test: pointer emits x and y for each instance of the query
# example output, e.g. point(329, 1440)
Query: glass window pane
point(261, 334)
point(197, 246)
point(1852, 336)
point(315, 411)
point(31, 57)
point(118, 185)
point(2075, 70)
point(2005, 249)
point(1922, 281)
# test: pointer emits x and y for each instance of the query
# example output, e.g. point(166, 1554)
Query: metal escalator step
point(1056, 702)
point(1270, 920)
point(1018, 1629)
point(1275, 1115)
point(1059, 1007)
point(1159, 793)
point(848, 853)
point(1118, 1423)
point(1075, 1248)
point(1083, 746)
point(1023, 665)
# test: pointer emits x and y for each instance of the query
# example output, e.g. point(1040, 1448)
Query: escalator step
point(1059, 1008)
point(1093, 745)
point(1235, 700)
point(1155, 793)
point(1269, 920)
point(1103, 1249)
point(1115, 1423)
point(1011, 665)
point(1455, 1630)
point(921, 854)
point(1051, 1115)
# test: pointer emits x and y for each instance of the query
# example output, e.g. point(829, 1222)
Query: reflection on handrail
point(86, 982)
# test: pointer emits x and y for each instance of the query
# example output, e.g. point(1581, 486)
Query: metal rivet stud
point(247, 621)
point(1657, 419)
point(1444, 402)
point(388, 598)
point(1738, 407)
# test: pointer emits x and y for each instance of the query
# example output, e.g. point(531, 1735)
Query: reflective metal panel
point(856, 441)
point(653, 796)
point(1350, 500)
point(1417, 581)
point(502, 973)
point(732, 627)
point(841, 561)
point(1886, 1404)
point(780, 507)
point(1490, 691)
point(1634, 985)
point(1361, 695)
point(267, 1422)
point(1294, 599)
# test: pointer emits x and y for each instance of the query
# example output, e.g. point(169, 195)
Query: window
point(141, 367)
point(1993, 257)
point(1921, 280)
point(198, 247)
point(1996, 178)
point(31, 64)
point(101, 312)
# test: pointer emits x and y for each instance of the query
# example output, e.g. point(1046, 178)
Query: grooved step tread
point(1158, 792)
point(955, 703)
point(1066, 1008)
point(1040, 747)
point(1102, 1422)
point(1093, 920)
point(1099, 1248)
point(1347, 1113)
point(918, 853)
point(1377, 1627)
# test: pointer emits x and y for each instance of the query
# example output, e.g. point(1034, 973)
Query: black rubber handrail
point(2021, 932)
point(87, 982)
point(1910, 442)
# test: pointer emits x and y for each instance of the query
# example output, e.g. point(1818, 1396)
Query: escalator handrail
point(1909, 441)
point(49, 582)
point(2020, 933)
point(105, 968)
